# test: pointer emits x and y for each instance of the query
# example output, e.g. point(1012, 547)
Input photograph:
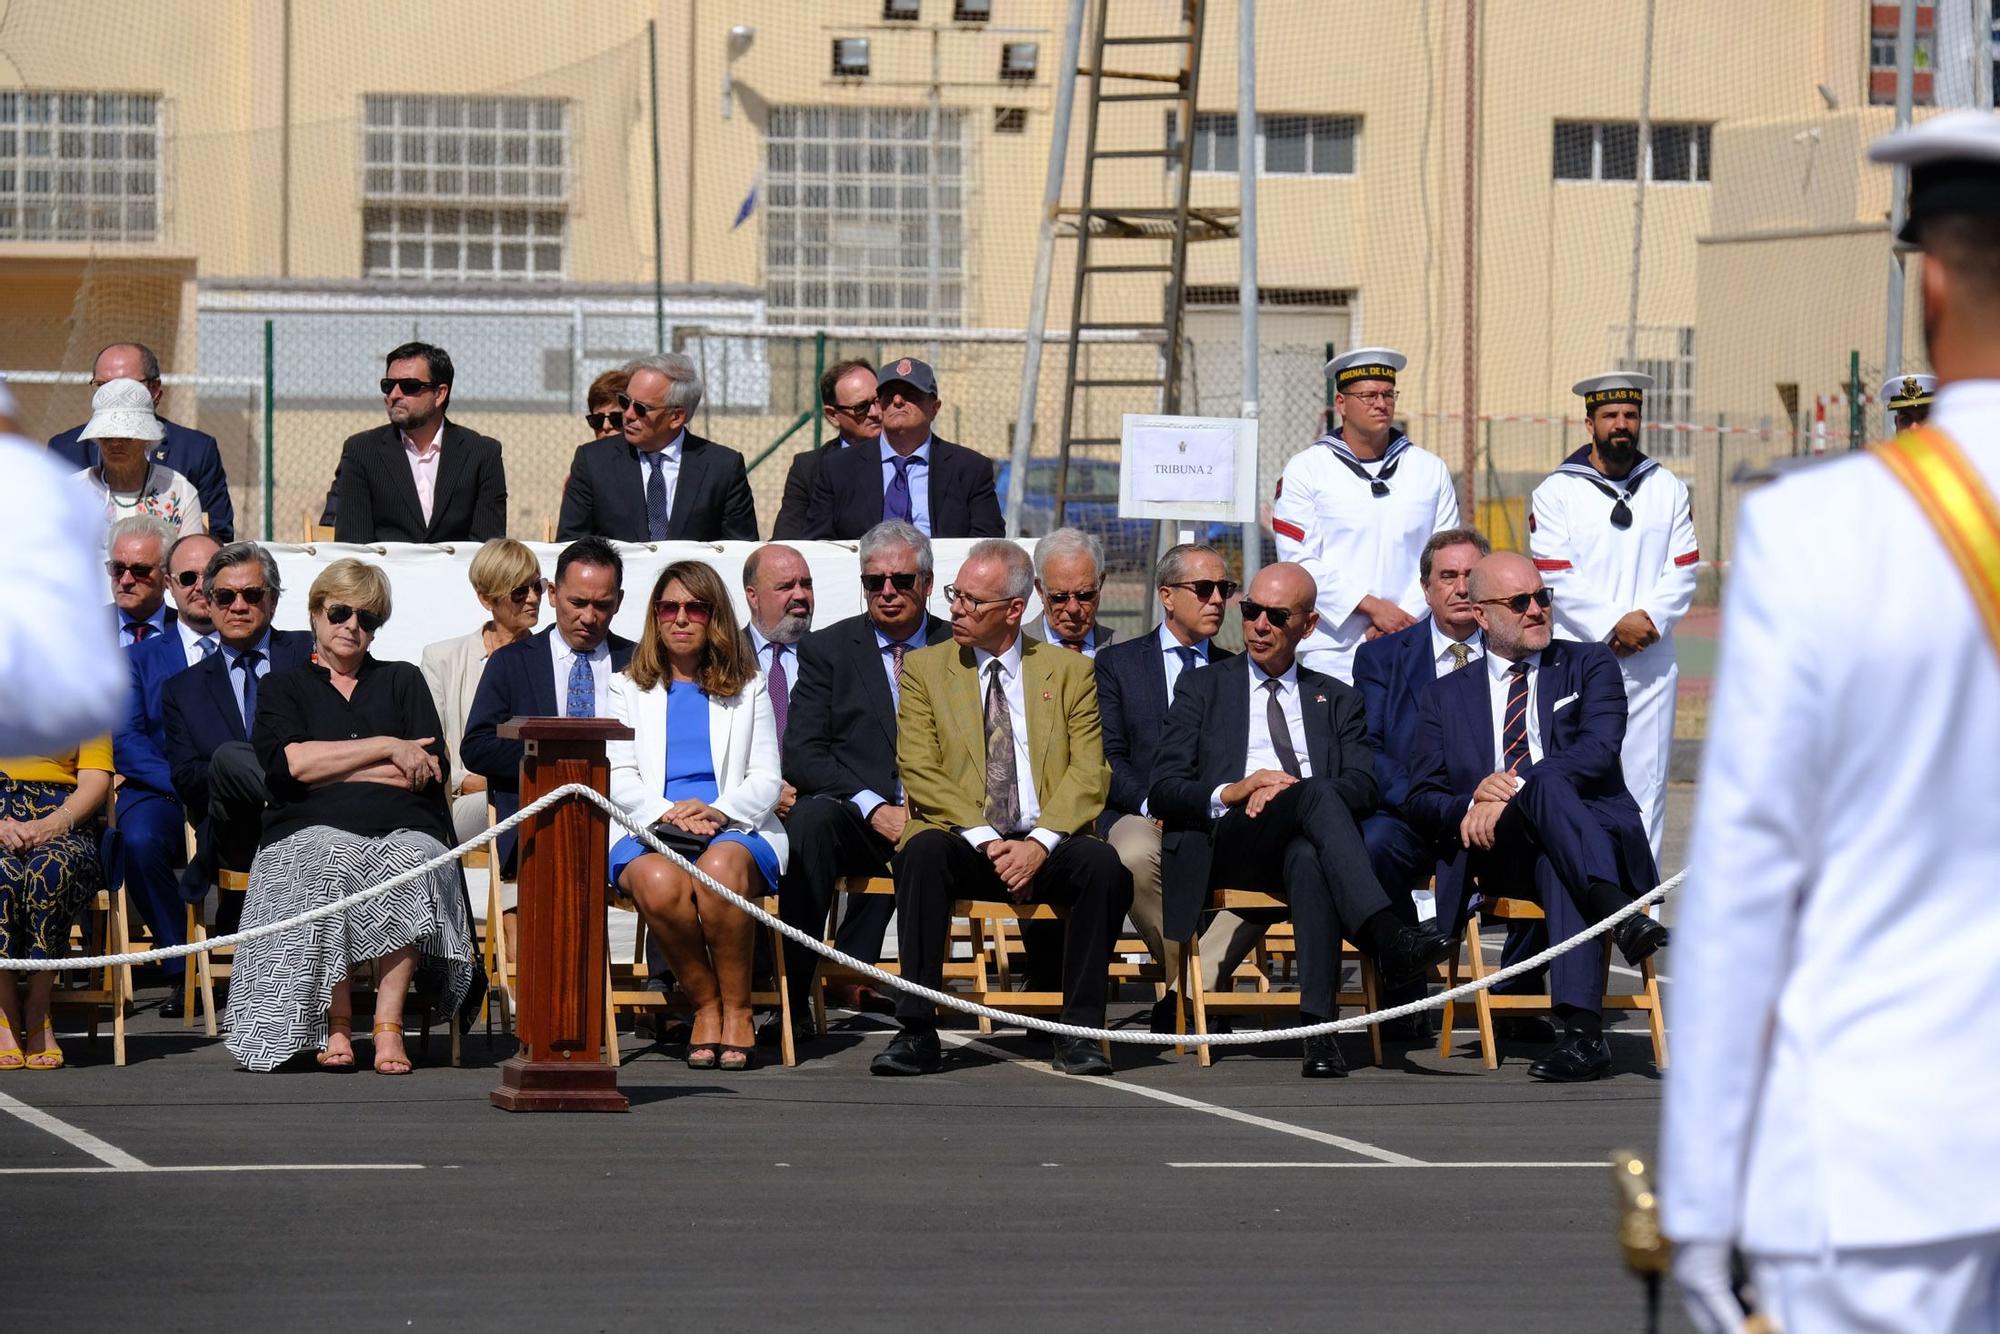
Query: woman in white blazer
point(703, 759)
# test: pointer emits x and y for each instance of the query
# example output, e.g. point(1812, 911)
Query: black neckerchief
point(1378, 482)
point(1579, 465)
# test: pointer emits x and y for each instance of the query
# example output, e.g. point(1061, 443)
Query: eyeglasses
point(118, 569)
point(410, 386)
point(667, 609)
point(254, 597)
point(638, 409)
point(338, 613)
point(1518, 604)
point(1204, 589)
point(902, 583)
point(955, 595)
point(1279, 617)
point(1083, 597)
point(856, 409)
point(1378, 396)
point(598, 420)
point(519, 595)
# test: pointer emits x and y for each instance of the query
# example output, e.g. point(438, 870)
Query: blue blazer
point(191, 453)
point(1393, 674)
point(1132, 702)
point(519, 682)
point(138, 746)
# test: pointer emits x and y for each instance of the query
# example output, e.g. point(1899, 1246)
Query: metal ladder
point(1095, 224)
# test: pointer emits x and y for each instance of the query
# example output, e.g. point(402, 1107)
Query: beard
point(1618, 449)
point(790, 629)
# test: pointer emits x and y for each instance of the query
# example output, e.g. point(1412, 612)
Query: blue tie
point(207, 643)
point(896, 500)
point(582, 689)
point(1189, 658)
point(656, 504)
point(248, 661)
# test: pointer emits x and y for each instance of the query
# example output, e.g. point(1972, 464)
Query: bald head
point(1498, 581)
point(1281, 592)
point(1508, 568)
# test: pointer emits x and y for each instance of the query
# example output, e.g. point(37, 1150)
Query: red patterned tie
point(1514, 731)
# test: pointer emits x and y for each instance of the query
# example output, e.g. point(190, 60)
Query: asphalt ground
point(177, 1192)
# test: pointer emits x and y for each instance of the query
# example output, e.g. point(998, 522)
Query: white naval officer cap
point(1365, 363)
point(1908, 391)
point(1954, 162)
point(1617, 387)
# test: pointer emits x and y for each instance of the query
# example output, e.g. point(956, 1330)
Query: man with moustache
point(778, 586)
point(1613, 534)
point(1069, 581)
point(847, 401)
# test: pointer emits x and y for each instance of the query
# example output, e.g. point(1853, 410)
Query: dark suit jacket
point(1393, 674)
point(519, 681)
point(605, 495)
point(840, 732)
point(191, 453)
point(378, 497)
point(1580, 746)
point(1203, 746)
point(1132, 701)
point(799, 480)
point(118, 625)
point(847, 495)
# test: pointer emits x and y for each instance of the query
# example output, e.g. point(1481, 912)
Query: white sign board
point(1189, 468)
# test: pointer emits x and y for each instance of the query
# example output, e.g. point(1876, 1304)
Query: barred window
point(1286, 145)
point(1609, 151)
point(459, 188)
point(79, 166)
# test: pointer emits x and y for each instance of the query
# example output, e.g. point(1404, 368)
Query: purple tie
point(896, 500)
point(781, 690)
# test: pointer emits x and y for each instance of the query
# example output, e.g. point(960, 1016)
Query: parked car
point(1093, 507)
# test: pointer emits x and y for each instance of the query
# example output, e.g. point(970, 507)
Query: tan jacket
point(941, 746)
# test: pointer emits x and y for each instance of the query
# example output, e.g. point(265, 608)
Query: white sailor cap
point(1954, 162)
point(1365, 363)
point(1908, 391)
point(1617, 387)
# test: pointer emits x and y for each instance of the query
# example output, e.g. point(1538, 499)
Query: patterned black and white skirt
point(282, 983)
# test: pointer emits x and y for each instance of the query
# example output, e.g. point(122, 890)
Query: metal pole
point(285, 149)
point(933, 236)
point(1982, 54)
point(659, 234)
point(1246, 241)
point(1640, 173)
point(1857, 420)
point(819, 369)
point(1906, 65)
point(270, 455)
point(1469, 277)
point(1038, 296)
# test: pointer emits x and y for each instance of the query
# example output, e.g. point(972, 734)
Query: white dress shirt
point(1170, 650)
point(1260, 753)
point(1442, 645)
point(1499, 677)
point(600, 672)
point(669, 464)
point(192, 641)
point(262, 667)
point(1024, 770)
point(424, 467)
point(867, 799)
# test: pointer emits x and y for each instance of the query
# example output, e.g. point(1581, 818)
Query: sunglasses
point(638, 409)
point(1204, 589)
point(875, 583)
point(1279, 617)
point(520, 595)
point(1518, 604)
point(860, 409)
point(599, 420)
point(254, 597)
point(187, 578)
point(1082, 598)
point(338, 613)
point(118, 569)
point(411, 387)
point(667, 609)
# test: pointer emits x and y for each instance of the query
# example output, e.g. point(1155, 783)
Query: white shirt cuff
point(866, 800)
point(980, 835)
point(1217, 808)
point(1048, 838)
point(1146, 808)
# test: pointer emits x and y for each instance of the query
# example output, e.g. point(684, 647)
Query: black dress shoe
point(1323, 1059)
point(910, 1052)
point(1524, 1028)
point(1418, 1028)
point(1078, 1056)
point(174, 1006)
point(1638, 936)
point(771, 1032)
point(1163, 1013)
point(1411, 955)
point(1578, 1059)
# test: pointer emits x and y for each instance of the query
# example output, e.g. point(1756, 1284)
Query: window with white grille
point(1609, 151)
point(458, 188)
point(1286, 145)
point(79, 166)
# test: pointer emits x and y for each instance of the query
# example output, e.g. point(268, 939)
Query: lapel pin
point(1046, 697)
point(1319, 699)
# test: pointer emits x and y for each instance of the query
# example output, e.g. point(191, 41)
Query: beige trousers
point(1228, 939)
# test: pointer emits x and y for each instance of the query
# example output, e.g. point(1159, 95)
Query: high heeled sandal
point(11, 1058)
point(342, 1024)
point(52, 1058)
point(386, 1065)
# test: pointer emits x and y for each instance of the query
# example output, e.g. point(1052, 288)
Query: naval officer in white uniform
point(1908, 399)
point(1613, 534)
point(1356, 509)
point(1833, 1107)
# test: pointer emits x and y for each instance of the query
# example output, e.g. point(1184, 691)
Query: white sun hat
point(122, 410)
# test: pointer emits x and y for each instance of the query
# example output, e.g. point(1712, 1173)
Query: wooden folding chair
point(625, 982)
point(102, 930)
point(1266, 999)
point(833, 974)
point(312, 530)
point(1486, 1004)
point(496, 952)
point(991, 965)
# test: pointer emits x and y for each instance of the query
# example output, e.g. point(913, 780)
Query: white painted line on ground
point(1411, 1163)
point(226, 1167)
point(110, 1155)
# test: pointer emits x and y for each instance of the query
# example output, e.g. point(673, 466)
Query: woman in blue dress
point(703, 758)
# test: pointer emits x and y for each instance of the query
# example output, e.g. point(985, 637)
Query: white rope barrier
point(947, 999)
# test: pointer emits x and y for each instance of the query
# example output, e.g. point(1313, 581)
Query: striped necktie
point(1514, 731)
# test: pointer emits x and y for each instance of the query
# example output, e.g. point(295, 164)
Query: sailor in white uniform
point(1833, 1108)
point(1613, 534)
point(1356, 509)
point(1908, 398)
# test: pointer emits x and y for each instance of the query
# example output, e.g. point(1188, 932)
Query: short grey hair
point(242, 553)
point(1020, 580)
point(1070, 542)
point(896, 533)
point(683, 380)
point(1172, 568)
point(145, 525)
point(1450, 537)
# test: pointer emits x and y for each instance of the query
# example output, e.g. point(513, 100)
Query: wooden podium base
point(557, 1086)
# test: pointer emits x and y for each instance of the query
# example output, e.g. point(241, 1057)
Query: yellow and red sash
point(1959, 505)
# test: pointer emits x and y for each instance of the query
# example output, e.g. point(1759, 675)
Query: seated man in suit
point(840, 749)
point(658, 481)
point(209, 713)
point(940, 489)
point(421, 478)
point(778, 590)
point(1135, 685)
point(1262, 775)
point(847, 400)
point(1518, 762)
point(1069, 577)
point(137, 565)
point(151, 841)
point(1001, 809)
point(557, 672)
point(191, 453)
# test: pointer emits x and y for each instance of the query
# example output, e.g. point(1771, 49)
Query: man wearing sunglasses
point(840, 749)
point(847, 402)
point(421, 478)
point(1069, 579)
point(907, 473)
point(208, 712)
point(138, 568)
point(1516, 760)
point(658, 481)
point(1613, 533)
point(1262, 777)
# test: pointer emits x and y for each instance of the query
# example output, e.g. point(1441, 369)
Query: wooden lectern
point(563, 858)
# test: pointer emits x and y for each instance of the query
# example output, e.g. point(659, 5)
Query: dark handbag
point(680, 840)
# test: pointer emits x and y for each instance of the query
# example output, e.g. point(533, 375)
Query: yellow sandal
point(52, 1059)
point(386, 1065)
point(344, 1025)
point(11, 1058)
